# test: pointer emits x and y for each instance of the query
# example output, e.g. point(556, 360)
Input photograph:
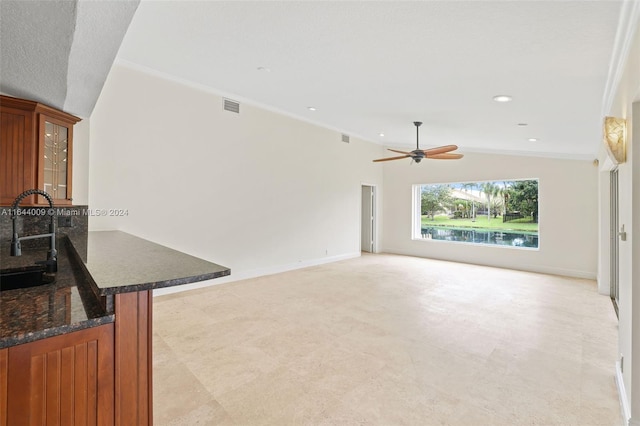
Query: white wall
point(627, 91)
point(258, 192)
point(80, 182)
point(567, 212)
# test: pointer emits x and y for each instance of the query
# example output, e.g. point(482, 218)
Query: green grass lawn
point(481, 222)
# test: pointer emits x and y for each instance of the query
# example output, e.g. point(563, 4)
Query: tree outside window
point(495, 212)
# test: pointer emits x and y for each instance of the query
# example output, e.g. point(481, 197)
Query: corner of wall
point(81, 139)
point(622, 394)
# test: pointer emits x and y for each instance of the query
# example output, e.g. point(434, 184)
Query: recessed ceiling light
point(311, 108)
point(381, 135)
point(532, 140)
point(523, 124)
point(502, 98)
point(265, 69)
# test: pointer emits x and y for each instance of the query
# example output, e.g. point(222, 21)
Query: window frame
point(416, 216)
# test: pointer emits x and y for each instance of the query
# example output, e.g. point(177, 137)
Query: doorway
point(367, 227)
point(614, 240)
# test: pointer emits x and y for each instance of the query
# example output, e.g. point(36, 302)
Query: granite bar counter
point(112, 262)
point(63, 306)
point(120, 263)
point(94, 323)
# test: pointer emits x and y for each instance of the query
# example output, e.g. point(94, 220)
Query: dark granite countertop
point(88, 275)
point(120, 263)
point(48, 310)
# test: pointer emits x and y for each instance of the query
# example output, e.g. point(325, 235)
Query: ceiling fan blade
point(439, 150)
point(391, 158)
point(445, 156)
point(399, 152)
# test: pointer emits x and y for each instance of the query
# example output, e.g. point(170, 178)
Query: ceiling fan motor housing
point(417, 155)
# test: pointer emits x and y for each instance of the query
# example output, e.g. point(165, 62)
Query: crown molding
point(627, 27)
point(232, 96)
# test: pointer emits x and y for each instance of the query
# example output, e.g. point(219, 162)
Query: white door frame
point(374, 216)
point(614, 241)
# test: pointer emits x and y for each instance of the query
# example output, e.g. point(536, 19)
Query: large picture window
point(500, 212)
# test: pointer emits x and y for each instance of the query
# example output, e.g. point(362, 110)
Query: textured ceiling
point(60, 52)
point(372, 67)
point(36, 42)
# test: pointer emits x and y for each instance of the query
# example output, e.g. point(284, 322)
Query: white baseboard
point(573, 273)
point(604, 287)
point(622, 394)
point(253, 273)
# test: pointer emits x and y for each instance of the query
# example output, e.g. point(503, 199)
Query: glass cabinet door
point(56, 159)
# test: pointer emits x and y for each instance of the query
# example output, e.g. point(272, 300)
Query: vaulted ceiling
point(60, 52)
point(367, 68)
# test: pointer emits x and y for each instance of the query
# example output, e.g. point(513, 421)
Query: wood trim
point(40, 159)
point(33, 106)
point(105, 398)
point(69, 199)
point(143, 358)
point(150, 354)
point(4, 365)
point(133, 382)
point(126, 348)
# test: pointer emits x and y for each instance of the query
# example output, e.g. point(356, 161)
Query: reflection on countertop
point(63, 306)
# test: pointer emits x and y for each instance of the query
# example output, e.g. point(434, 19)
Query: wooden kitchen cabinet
point(98, 376)
point(66, 380)
point(4, 356)
point(36, 151)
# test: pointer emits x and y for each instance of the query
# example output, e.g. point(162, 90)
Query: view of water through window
point(501, 213)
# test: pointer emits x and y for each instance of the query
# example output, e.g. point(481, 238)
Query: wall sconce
point(615, 134)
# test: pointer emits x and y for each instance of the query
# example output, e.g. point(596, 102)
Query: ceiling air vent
point(232, 106)
point(345, 138)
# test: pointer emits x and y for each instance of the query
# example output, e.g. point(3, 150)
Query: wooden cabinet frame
point(41, 141)
point(22, 147)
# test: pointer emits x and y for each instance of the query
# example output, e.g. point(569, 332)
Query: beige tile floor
point(387, 340)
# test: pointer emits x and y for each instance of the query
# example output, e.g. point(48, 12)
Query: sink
point(11, 279)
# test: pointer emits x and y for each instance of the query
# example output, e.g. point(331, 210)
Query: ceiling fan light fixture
point(615, 135)
point(502, 98)
point(417, 155)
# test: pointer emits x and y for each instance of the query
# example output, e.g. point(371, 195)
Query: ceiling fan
point(439, 153)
